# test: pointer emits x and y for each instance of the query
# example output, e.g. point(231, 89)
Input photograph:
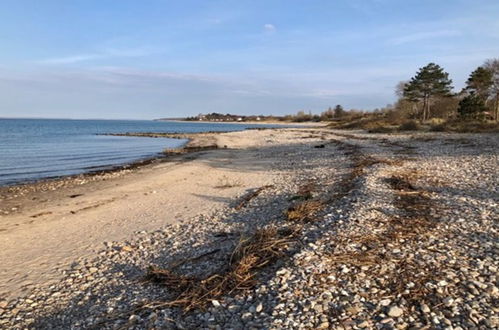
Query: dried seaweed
point(250, 254)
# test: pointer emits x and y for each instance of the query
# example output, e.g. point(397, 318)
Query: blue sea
point(34, 149)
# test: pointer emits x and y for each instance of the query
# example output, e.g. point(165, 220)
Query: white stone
point(395, 311)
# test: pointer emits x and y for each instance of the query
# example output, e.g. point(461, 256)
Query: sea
point(35, 149)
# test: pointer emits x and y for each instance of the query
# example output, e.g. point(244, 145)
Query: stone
point(448, 301)
point(323, 325)
point(259, 308)
point(354, 310)
point(134, 319)
point(127, 248)
point(395, 311)
point(363, 324)
point(425, 309)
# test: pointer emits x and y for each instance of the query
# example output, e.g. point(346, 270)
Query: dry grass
point(467, 127)
point(400, 182)
point(248, 197)
point(252, 253)
point(374, 250)
point(305, 191)
point(305, 211)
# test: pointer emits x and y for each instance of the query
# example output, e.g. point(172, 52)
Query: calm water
point(32, 149)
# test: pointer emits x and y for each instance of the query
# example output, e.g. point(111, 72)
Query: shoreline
point(280, 123)
point(399, 220)
point(194, 142)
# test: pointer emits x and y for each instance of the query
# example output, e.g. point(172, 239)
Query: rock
point(363, 324)
point(215, 303)
point(323, 325)
point(425, 309)
point(448, 301)
point(127, 248)
point(395, 311)
point(354, 310)
point(259, 308)
point(134, 319)
point(385, 302)
point(93, 270)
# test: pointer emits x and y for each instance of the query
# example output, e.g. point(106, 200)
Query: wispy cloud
point(107, 53)
point(269, 27)
point(413, 37)
point(71, 59)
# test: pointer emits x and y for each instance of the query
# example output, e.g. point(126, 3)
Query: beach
point(380, 230)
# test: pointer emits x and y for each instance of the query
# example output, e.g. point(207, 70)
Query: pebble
point(395, 311)
point(425, 309)
point(310, 289)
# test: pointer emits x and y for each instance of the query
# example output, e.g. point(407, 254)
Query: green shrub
point(381, 129)
point(410, 125)
point(439, 128)
point(471, 107)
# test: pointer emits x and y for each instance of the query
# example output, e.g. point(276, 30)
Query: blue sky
point(158, 58)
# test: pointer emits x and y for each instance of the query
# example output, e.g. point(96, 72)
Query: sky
point(148, 59)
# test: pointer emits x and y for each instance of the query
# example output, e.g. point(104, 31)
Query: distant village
point(227, 117)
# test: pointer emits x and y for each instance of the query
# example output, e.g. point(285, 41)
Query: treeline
point(427, 100)
point(215, 116)
point(429, 94)
point(331, 114)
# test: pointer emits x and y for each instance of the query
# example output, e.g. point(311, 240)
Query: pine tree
point(429, 81)
point(471, 107)
point(338, 111)
point(480, 82)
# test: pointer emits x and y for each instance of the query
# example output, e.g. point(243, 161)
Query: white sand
point(34, 250)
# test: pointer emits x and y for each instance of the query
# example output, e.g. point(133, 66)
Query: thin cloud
point(269, 27)
point(423, 36)
point(71, 59)
point(107, 53)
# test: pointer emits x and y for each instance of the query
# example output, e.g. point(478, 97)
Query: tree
point(339, 111)
point(471, 107)
point(493, 66)
point(480, 82)
point(328, 114)
point(399, 88)
point(429, 81)
point(445, 107)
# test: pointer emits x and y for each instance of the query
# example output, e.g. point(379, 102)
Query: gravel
point(369, 260)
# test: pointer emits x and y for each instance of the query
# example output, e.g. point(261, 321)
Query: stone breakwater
point(405, 235)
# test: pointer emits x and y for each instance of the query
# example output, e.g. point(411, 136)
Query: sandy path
point(34, 250)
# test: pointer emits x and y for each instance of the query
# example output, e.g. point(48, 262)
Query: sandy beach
point(403, 233)
point(46, 226)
